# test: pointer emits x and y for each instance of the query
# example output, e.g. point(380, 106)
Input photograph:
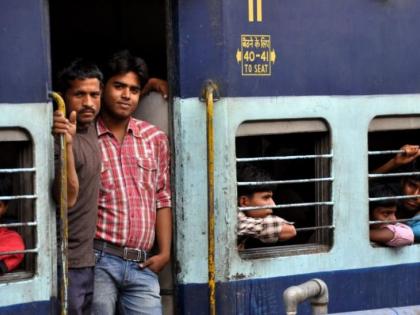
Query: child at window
point(9, 239)
point(387, 233)
point(260, 223)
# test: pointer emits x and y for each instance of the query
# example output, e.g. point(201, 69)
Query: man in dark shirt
point(81, 85)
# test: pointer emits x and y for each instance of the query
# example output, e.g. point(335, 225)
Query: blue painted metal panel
point(41, 307)
point(348, 47)
point(24, 51)
point(200, 44)
point(349, 290)
point(348, 119)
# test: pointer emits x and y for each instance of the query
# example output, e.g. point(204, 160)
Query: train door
point(94, 30)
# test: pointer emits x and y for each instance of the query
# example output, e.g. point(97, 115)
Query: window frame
point(388, 123)
point(324, 213)
point(23, 174)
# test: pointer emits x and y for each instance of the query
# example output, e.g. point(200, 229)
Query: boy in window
point(259, 223)
point(388, 232)
point(9, 240)
point(409, 185)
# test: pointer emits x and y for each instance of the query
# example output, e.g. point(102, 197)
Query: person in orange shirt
point(9, 240)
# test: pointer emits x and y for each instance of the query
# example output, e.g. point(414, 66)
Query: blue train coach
point(317, 92)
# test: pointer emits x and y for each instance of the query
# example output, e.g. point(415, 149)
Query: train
point(309, 90)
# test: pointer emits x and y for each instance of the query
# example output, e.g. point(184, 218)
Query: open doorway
point(94, 29)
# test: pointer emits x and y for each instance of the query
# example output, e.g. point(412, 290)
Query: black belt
point(126, 253)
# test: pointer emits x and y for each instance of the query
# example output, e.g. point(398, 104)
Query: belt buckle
point(139, 254)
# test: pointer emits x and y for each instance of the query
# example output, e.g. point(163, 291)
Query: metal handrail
point(209, 95)
point(63, 209)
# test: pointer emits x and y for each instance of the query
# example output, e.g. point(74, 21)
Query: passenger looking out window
point(259, 223)
point(9, 240)
point(387, 232)
point(411, 207)
point(409, 185)
point(411, 152)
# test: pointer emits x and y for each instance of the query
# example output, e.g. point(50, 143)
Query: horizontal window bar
point(290, 205)
point(404, 174)
point(391, 222)
point(18, 224)
point(314, 228)
point(288, 181)
point(17, 170)
point(26, 251)
point(385, 152)
point(18, 197)
point(286, 157)
point(394, 197)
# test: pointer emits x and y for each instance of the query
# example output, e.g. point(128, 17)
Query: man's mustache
point(87, 110)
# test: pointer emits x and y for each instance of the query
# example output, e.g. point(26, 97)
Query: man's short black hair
point(78, 69)
point(5, 186)
point(382, 190)
point(251, 173)
point(123, 62)
point(411, 168)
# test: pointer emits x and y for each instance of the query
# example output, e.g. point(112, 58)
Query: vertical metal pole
point(208, 93)
point(210, 174)
point(63, 211)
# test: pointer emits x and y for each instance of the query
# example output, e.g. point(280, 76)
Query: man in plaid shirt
point(134, 198)
point(259, 223)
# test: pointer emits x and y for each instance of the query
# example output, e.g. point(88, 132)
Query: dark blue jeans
point(80, 291)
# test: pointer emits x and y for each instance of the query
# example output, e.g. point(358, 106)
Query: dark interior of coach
point(95, 29)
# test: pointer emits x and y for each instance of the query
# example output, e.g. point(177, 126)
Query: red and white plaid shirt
point(266, 229)
point(134, 184)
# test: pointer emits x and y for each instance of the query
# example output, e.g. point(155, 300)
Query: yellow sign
point(256, 55)
point(251, 12)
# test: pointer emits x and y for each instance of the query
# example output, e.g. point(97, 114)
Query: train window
point(297, 156)
point(17, 170)
point(391, 170)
